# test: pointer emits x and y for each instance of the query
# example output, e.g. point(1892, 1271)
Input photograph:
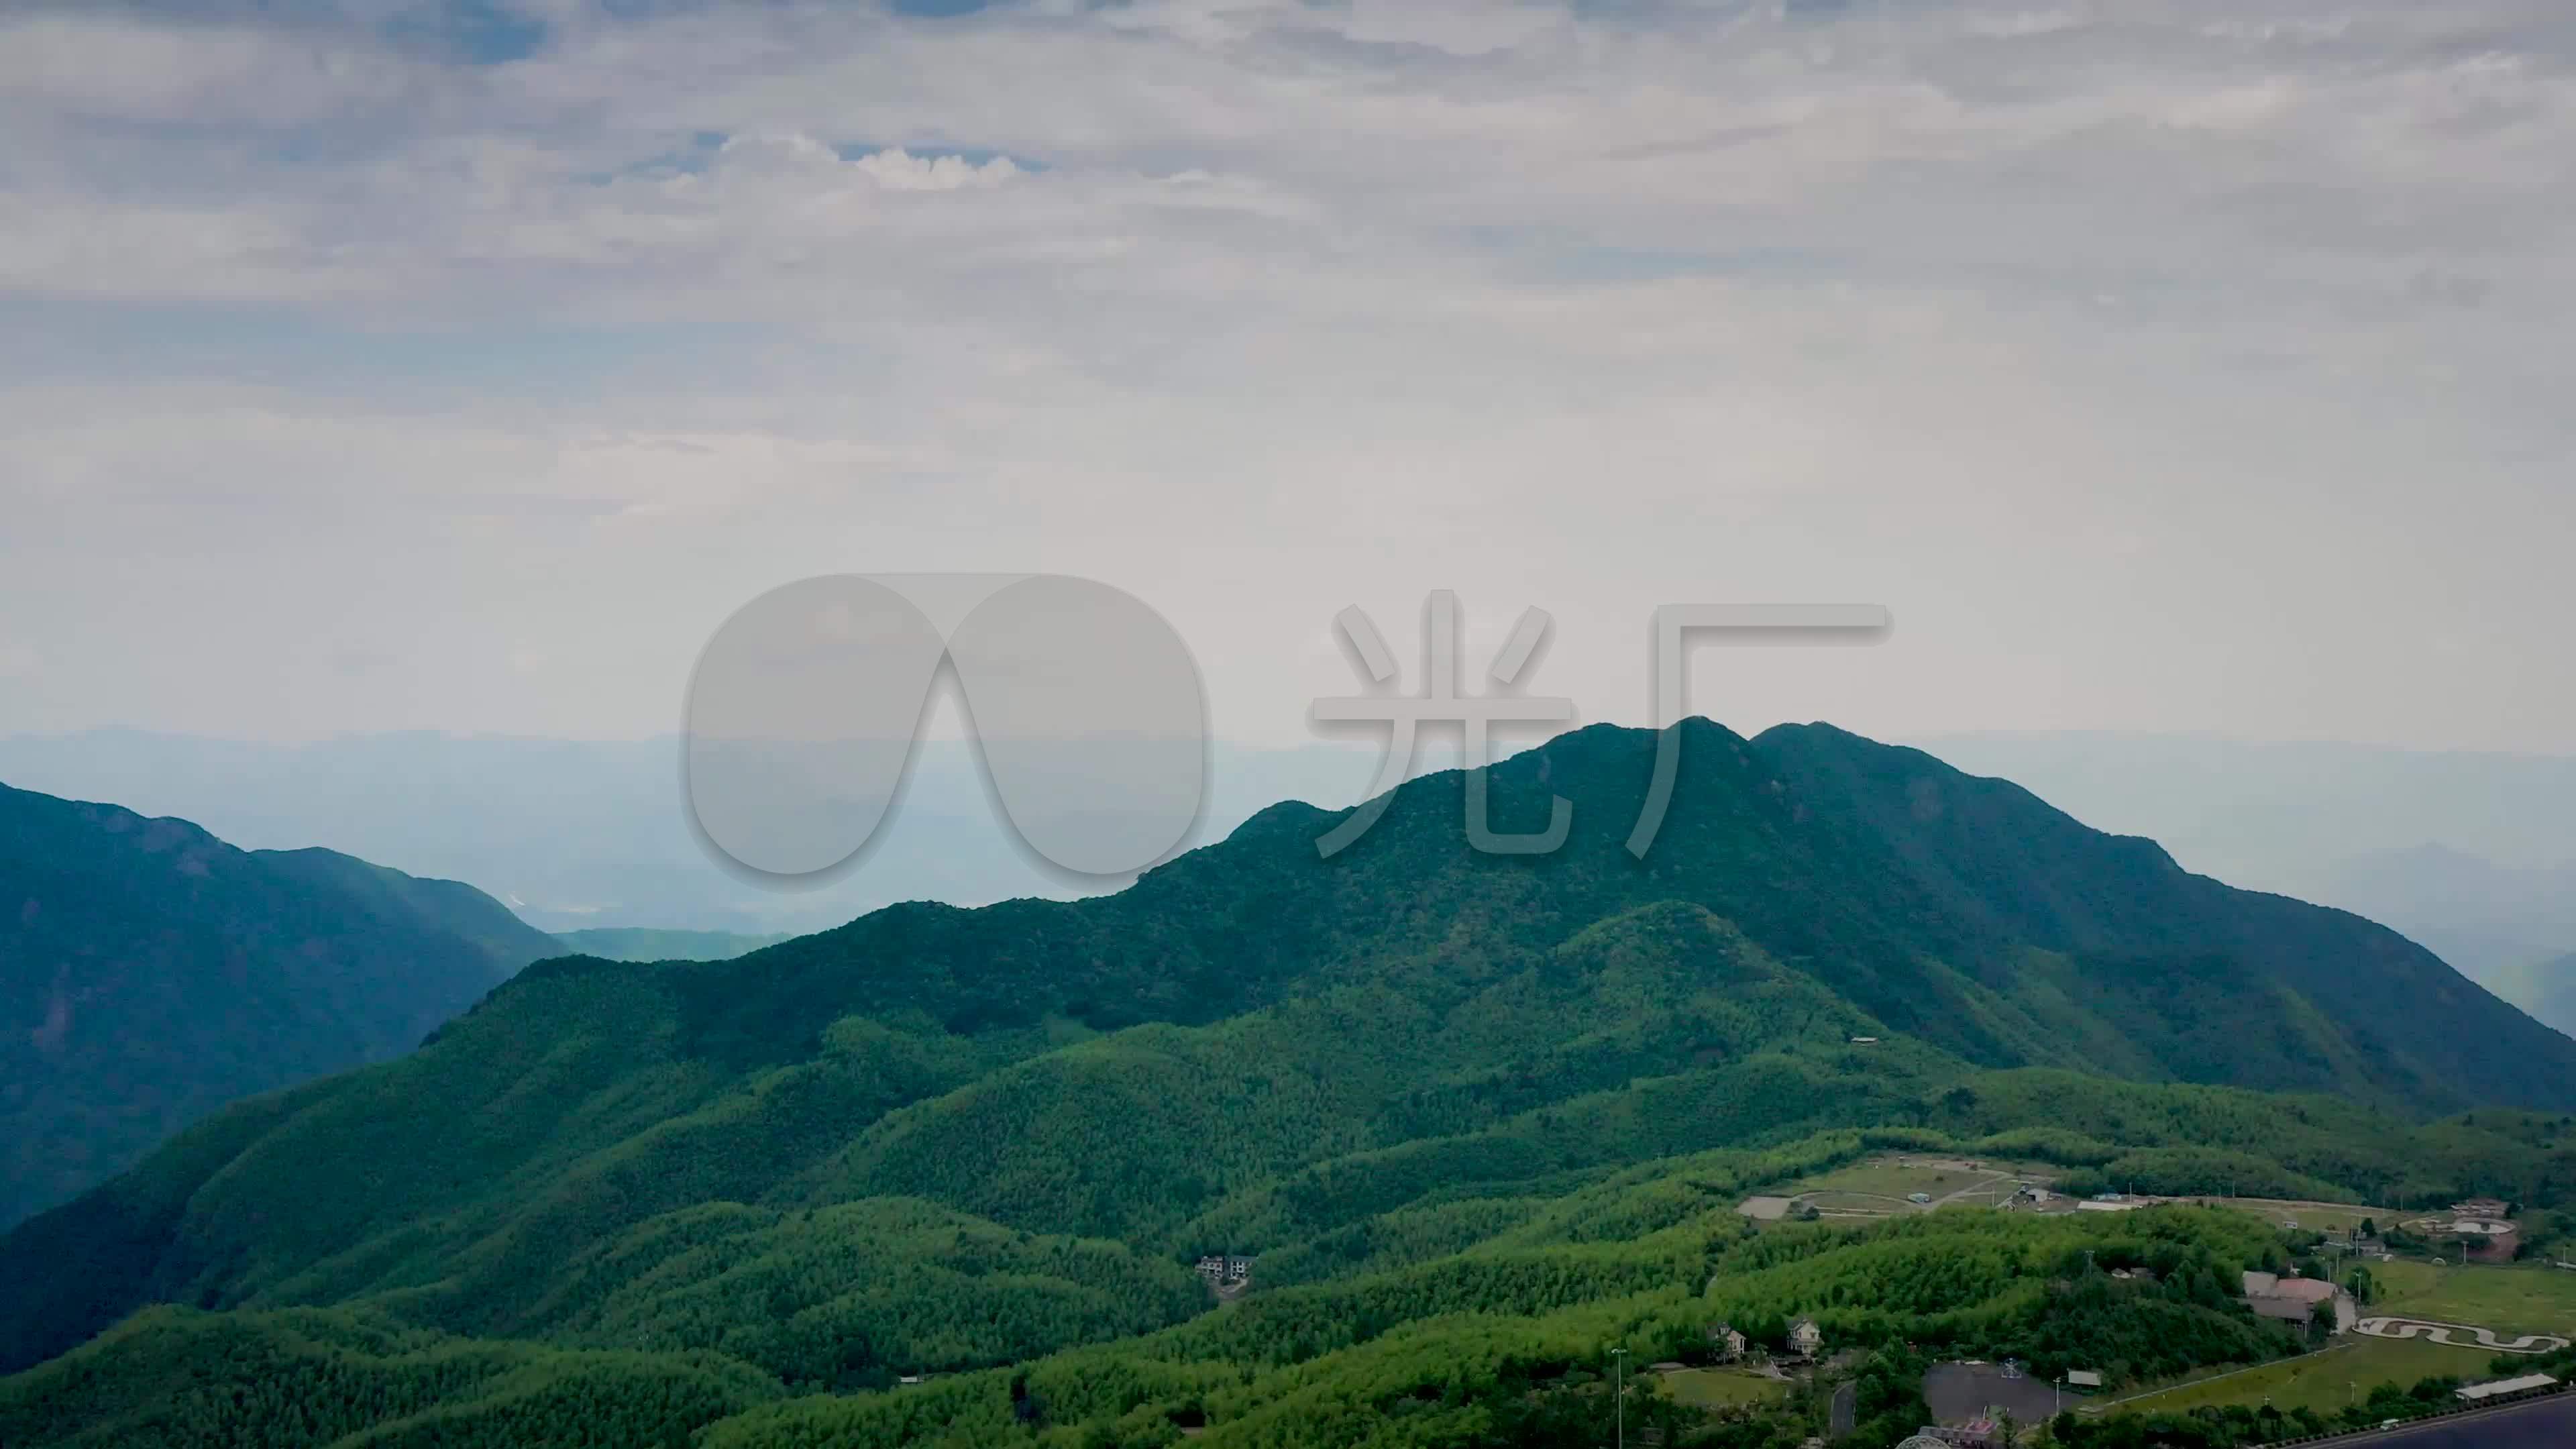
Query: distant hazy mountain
point(2546, 989)
point(2285, 816)
point(2495, 922)
point(643, 943)
point(577, 834)
point(2473, 855)
point(150, 973)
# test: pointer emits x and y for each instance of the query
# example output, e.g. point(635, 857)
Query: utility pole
point(1618, 1396)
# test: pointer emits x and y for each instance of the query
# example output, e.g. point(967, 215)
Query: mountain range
point(2461, 852)
point(2467, 854)
point(151, 973)
point(956, 1139)
point(2507, 927)
point(582, 834)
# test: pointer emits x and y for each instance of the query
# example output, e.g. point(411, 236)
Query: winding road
point(2442, 1333)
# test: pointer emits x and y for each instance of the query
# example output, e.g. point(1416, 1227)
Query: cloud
point(897, 170)
point(2033, 314)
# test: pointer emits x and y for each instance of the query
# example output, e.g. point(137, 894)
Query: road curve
point(2442, 1333)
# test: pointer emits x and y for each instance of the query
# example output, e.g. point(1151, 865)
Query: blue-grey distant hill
point(582, 834)
point(151, 973)
point(2472, 854)
point(644, 943)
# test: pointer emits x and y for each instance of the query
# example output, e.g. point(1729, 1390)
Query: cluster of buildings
point(2292, 1299)
point(2481, 1224)
point(1729, 1344)
point(1227, 1273)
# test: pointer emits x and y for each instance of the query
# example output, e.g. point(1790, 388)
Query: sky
point(2158, 366)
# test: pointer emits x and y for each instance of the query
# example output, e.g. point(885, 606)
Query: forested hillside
point(1414, 1081)
point(151, 973)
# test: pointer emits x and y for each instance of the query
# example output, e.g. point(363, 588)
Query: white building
point(2478, 1393)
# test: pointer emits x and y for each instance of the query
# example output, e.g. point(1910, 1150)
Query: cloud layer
point(2163, 365)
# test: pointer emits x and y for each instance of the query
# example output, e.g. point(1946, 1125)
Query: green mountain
point(1416, 1081)
point(151, 973)
point(643, 943)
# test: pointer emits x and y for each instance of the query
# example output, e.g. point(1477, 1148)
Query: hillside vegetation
point(150, 973)
point(1477, 1117)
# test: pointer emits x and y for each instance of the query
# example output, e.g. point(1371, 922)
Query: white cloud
point(2084, 334)
point(898, 170)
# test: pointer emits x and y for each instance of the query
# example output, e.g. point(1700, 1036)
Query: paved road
point(2546, 1424)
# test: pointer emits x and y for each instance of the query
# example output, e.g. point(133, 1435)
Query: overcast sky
point(2160, 366)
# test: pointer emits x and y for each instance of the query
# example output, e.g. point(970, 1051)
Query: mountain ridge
point(2131, 901)
point(166, 973)
point(1254, 1046)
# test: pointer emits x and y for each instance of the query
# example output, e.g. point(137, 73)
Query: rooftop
point(2475, 1392)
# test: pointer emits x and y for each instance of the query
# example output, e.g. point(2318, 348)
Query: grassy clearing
point(1719, 1388)
point(2325, 1381)
point(1885, 1178)
point(2515, 1299)
point(1835, 1201)
point(2335, 1216)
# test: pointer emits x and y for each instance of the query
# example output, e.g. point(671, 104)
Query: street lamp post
point(1618, 1396)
